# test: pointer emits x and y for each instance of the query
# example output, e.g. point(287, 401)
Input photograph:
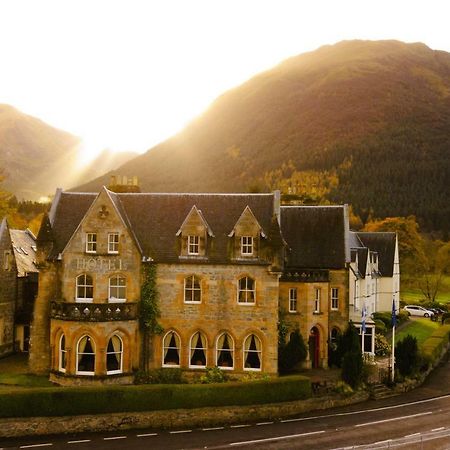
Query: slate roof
point(24, 247)
point(315, 235)
point(154, 219)
point(384, 244)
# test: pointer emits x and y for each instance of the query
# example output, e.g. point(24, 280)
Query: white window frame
point(91, 242)
point(85, 372)
point(62, 353)
point(317, 295)
point(118, 287)
point(113, 243)
point(246, 291)
point(247, 245)
point(193, 244)
point(164, 346)
point(191, 290)
point(120, 352)
point(231, 351)
point(293, 293)
point(334, 298)
point(205, 351)
point(84, 286)
point(260, 352)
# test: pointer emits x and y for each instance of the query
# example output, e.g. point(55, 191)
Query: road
point(417, 420)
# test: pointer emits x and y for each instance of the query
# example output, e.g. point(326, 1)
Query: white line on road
point(264, 423)
point(147, 435)
point(181, 431)
point(114, 438)
point(36, 445)
point(412, 435)
point(279, 438)
point(240, 426)
point(79, 442)
point(393, 419)
point(213, 428)
point(438, 429)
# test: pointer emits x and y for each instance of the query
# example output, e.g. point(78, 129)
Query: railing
point(93, 312)
point(306, 276)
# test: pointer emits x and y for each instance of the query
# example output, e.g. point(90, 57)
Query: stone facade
point(225, 268)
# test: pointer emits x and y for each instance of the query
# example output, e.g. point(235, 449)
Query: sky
point(128, 74)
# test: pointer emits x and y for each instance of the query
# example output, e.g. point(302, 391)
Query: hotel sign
point(99, 264)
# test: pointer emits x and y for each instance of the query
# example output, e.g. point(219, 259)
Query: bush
point(382, 347)
point(102, 400)
point(352, 368)
point(290, 354)
point(380, 327)
point(402, 317)
point(445, 318)
point(432, 348)
point(160, 376)
point(407, 355)
point(213, 375)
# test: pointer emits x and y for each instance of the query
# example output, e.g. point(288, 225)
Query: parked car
point(416, 310)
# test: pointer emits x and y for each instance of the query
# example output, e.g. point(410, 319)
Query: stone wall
point(178, 418)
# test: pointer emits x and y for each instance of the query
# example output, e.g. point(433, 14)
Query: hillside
point(36, 158)
point(382, 107)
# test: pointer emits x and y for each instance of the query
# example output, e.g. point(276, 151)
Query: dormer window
point(91, 242)
point(246, 245)
point(193, 245)
point(113, 243)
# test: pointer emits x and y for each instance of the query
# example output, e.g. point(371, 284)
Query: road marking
point(439, 429)
point(264, 423)
point(240, 426)
point(147, 435)
point(36, 445)
point(181, 431)
point(213, 428)
point(393, 419)
point(114, 438)
point(79, 442)
point(412, 435)
point(279, 438)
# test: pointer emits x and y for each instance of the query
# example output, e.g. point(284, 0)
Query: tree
point(290, 354)
point(349, 347)
point(407, 355)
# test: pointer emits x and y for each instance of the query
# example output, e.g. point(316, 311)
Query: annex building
point(226, 267)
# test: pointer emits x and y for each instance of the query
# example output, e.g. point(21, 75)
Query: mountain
point(33, 153)
point(36, 158)
point(377, 112)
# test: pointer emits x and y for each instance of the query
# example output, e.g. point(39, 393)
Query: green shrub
point(445, 318)
point(160, 376)
point(407, 355)
point(352, 368)
point(402, 317)
point(213, 375)
point(380, 327)
point(102, 400)
point(290, 354)
point(384, 316)
point(382, 347)
point(432, 348)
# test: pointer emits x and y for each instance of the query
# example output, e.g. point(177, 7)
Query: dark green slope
point(384, 106)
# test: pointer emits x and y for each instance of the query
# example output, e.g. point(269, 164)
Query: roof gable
point(195, 216)
point(384, 244)
point(247, 221)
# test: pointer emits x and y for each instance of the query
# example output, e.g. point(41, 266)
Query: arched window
point(171, 349)
point(86, 356)
point(197, 348)
point(252, 353)
point(117, 289)
point(114, 353)
point(246, 290)
point(192, 289)
point(225, 352)
point(62, 354)
point(85, 288)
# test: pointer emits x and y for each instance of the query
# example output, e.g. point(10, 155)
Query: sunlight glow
point(126, 75)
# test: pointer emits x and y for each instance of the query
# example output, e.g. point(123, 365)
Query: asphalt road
point(417, 420)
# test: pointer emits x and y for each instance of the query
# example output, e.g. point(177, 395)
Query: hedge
point(60, 401)
point(433, 346)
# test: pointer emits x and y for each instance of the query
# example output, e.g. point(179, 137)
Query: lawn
point(410, 294)
point(420, 328)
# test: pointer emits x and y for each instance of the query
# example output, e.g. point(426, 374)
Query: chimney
point(276, 204)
